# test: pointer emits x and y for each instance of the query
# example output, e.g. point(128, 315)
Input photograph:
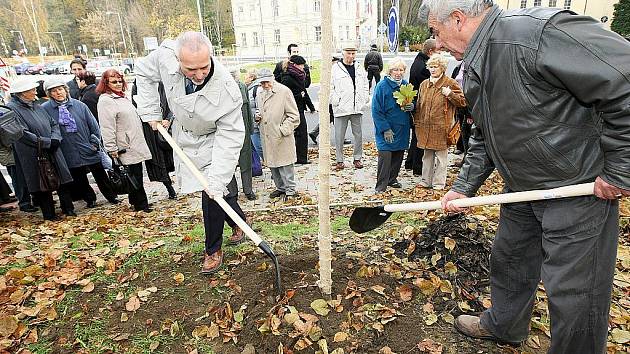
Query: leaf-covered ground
point(116, 281)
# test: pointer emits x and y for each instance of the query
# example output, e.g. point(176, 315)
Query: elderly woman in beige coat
point(433, 119)
point(278, 117)
point(121, 130)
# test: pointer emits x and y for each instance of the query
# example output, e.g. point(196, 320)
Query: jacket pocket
point(550, 159)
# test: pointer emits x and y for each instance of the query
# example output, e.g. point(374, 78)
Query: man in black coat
point(77, 66)
point(417, 74)
point(373, 64)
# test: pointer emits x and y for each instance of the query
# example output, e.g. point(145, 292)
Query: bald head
point(194, 51)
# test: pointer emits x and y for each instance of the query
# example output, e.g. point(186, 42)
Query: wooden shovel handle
point(204, 182)
point(527, 196)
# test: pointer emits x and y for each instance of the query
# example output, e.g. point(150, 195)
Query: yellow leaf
point(179, 278)
point(88, 288)
point(620, 336)
point(200, 331)
point(320, 306)
point(435, 258)
point(430, 319)
point(450, 268)
point(124, 317)
point(340, 337)
point(8, 325)
point(449, 243)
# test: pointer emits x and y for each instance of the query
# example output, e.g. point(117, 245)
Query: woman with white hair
point(41, 138)
point(439, 97)
point(391, 125)
point(80, 144)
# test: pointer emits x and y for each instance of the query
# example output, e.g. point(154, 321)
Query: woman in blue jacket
point(391, 125)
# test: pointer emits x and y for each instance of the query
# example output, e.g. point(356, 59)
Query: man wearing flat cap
point(349, 96)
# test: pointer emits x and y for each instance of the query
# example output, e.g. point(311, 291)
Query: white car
point(98, 67)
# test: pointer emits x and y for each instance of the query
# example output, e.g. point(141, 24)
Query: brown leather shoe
point(212, 262)
point(237, 234)
point(357, 164)
point(339, 166)
point(470, 326)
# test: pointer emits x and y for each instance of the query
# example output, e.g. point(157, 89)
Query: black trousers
point(5, 190)
point(414, 155)
point(301, 140)
point(388, 168)
point(376, 74)
point(214, 217)
point(19, 186)
point(138, 197)
point(45, 201)
point(82, 188)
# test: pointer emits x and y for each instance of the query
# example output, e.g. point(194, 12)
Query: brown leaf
point(179, 278)
point(133, 304)
point(411, 247)
point(405, 292)
point(88, 288)
point(386, 350)
point(340, 337)
point(429, 346)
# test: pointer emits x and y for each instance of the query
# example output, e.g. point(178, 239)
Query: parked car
point(64, 67)
point(130, 62)
point(20, 69)
point(36, 69)
point(98, 67)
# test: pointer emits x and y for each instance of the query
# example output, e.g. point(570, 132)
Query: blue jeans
point(257, 143)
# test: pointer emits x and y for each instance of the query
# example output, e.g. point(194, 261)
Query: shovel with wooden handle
point(365, 219)
point(260, 243)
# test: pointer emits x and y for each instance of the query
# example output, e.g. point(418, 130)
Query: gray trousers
point(284, 179)
point(571, 244)
point(388, 168)
point(246, 180)
point(341, 125)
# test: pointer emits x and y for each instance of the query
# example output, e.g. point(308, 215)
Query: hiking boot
point(212, 263)
point(276, 194)
point(339, 166)
point(357, 164)
point(470, 326)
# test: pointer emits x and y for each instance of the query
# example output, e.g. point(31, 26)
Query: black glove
point(54, 144)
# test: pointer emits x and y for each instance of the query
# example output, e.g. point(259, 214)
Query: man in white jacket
point(206, 103)
point(349, 96)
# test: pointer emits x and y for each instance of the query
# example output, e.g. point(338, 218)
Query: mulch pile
point(465, 241)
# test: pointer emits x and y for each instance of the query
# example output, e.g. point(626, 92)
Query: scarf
point(433, 80)
point(296, 72)
point(119, 93)
point(66, 119)
point(398, 82)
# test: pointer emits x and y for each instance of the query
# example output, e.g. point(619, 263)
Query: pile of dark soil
point(459, 240)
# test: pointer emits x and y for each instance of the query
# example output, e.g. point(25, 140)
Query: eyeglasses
point(115, 82)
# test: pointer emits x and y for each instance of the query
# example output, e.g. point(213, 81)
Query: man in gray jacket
point(208, 125)
point(550, 98)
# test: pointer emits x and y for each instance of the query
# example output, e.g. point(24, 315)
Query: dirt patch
point(365, 313)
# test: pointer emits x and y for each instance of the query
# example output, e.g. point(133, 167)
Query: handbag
point(11, 127)
point(256, 164)
point(48, 176)
point(121, 182)
point(453, 134)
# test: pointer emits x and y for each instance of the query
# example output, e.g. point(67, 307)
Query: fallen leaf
point(154, 345)
point(405, 292)
point(124, 317)
point(620, 336)
point(133, 304)
point(450, 268)
point(430, 319)
point(88, 288)
point(340, 337)
point(449, 243)
point(320, 306)
point(200, 331)
point(179, 278)
point(379, 289)
point(386, 350)
point(430, 347)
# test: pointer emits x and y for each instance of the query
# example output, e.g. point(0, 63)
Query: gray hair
point(193, 41)
point(396, 62)
point(441, 9)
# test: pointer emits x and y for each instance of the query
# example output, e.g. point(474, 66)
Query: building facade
point(267, 27)
point(599, 9)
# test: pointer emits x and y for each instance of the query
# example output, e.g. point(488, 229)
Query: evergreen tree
point(621, 18)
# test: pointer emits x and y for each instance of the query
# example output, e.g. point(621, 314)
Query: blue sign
point(392, 29)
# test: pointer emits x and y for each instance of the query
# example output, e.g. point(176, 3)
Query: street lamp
point(122, 33)
point(65, 51)
point(21, 40)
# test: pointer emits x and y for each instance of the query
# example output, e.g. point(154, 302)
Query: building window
point(252, 8)
point(537, 3)
point(240, 11)
point(341, 33)
point(346, 5)
point(318, 33)
point(243, 40)
point(274, 4)
point(567, 4)
point(339, 4)
point(255, 39)
point(276, 35)
point(317, 6)
point(347, 32)
point(523, 4)
point(552, 3)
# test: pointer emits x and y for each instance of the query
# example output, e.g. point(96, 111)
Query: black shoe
point(145, 209)
point(4, 209)
point(172, 196)
point(313, 137)
point(303, 163)
point(113, 201)
point(395, 185)
point(52, 218)
point(29, 209)
point(276, 194)
point(417, 172)
point(251, 196)
point(70, 213)
point(347, 141)
point(91, 204)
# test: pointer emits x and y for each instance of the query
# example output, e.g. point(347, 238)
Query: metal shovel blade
point(364, 219)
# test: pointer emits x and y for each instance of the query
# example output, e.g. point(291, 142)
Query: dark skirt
point(161, 162)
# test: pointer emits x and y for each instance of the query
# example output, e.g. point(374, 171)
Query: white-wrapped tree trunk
point(325, 253)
